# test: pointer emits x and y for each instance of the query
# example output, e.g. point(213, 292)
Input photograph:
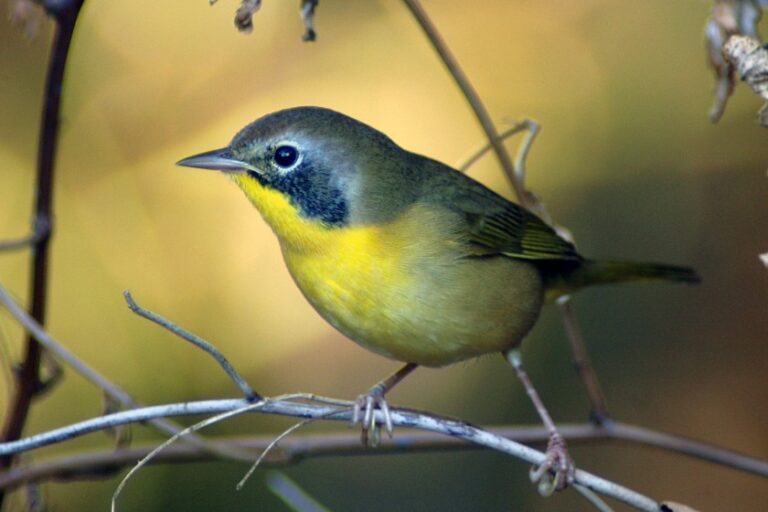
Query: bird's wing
point(513, 231)
point(491, 224)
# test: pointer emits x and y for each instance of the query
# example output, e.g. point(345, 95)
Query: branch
point(40, 230)
point(110, 389)
point(200, 343)
point(293, 450)
point(287, 406)
point(481, 113)
point(28, 382)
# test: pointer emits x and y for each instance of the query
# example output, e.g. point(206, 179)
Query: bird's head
point(316, 161)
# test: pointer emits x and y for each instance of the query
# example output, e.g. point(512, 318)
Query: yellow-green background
point(627, 159)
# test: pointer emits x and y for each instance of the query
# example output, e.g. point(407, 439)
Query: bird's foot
point(557, 470)
point(364, 412)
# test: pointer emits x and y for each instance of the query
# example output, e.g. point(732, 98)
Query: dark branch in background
point(582, 363)
point(28, 381)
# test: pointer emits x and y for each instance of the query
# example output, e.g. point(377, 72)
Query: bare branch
point(582, 363)
point(469, 93)
point(293, 450)
point(108, 387)
point(287, 405)
point(249, 393)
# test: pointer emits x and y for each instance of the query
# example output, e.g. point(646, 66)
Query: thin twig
point(485, 148)
point(37, 333)
point(246, 389)
point(284, 434)
point(593, 499)
point(287, 406)
point(582, 363)
point(108, 387)
point(291, 494)
point(19, 243)
point(469, 93)
point(187, 431)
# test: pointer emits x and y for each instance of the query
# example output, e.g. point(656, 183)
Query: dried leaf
point(308, 15)
point(729, 17)
point(750, 58)
point(244, 15)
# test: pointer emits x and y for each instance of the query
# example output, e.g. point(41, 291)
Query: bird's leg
point(364, 411)
point(557, 470)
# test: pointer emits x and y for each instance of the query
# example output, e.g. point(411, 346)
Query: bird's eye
point(286, 156)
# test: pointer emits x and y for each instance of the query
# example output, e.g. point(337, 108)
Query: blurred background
point(627, 159)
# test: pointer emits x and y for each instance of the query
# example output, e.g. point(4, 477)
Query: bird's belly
point(431, 312)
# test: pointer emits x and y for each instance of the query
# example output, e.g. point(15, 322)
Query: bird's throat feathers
point(295, 230)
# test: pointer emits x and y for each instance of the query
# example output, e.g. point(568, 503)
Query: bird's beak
point(217, 160)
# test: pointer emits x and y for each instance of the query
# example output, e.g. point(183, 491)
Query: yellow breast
point(403, 289)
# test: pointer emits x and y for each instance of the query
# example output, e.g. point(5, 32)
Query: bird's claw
point(364, 412)
point(557, 470)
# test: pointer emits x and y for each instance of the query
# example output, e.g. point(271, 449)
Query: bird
point(404, 255)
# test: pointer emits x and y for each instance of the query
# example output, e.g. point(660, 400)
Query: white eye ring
point(286, 156)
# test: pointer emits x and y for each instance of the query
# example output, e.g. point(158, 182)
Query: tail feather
point(590, 273)
point(604, 272)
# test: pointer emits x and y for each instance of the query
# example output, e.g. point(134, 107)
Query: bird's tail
point(591, 273)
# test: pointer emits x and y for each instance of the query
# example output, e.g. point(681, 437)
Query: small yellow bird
point(404, 255)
